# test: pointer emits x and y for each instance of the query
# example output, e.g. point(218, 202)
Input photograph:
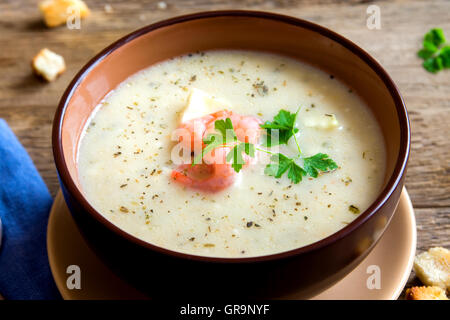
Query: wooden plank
point(28, 104)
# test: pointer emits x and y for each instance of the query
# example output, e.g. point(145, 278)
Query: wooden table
point(28, 104)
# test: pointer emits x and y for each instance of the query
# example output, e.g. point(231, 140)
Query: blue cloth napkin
point(24, 207)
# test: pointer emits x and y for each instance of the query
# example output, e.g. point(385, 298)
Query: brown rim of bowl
point(380, 201)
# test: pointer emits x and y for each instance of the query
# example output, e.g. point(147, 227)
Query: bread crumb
point(48, 64)
point(56, 12)
point(108, 8)
point(162, 5)
point(433, 267)
point(425, 293)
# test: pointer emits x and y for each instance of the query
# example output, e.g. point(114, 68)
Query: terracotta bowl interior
point(228, 32)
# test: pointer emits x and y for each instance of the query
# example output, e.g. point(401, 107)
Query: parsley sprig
point(281, 129)
point(280, 163)
point(319, 162)
point(278, 132)
point(435, 51)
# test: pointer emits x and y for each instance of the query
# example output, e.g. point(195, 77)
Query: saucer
point(393, 257)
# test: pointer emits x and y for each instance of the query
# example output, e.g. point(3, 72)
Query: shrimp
point(214, 174)
point(190, 133)
point(247, 128)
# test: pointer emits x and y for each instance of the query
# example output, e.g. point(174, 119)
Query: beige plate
point(394, 255)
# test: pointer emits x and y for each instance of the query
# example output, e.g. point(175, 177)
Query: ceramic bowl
point(162, 272)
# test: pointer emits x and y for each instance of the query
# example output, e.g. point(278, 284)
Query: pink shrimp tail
point(205, 177)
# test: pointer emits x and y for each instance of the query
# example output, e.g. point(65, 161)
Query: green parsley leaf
point(296, 173)
point(281, 164)
point(235, 155)
point(425, 53)
point(445, 55)
point(281, 129)
point(225, 127)
point(318, 162)
point(434, 65)
point(226, 134)
point(435, 36)
point(435, 52)
point(279, 167)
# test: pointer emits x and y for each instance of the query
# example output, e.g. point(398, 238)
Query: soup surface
point(125, 157)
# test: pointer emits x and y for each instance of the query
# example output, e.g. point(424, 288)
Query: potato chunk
point(433, 267)
point(48, 64)
point(325, 121)
point(56, 12)
point(200, 104)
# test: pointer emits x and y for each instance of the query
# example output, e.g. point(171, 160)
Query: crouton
point(56, 12)
point(48, 64)
point(433, 267)
point(425, 293)
point(162, 5)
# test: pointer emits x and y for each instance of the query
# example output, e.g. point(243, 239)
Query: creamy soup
point(126, 164)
